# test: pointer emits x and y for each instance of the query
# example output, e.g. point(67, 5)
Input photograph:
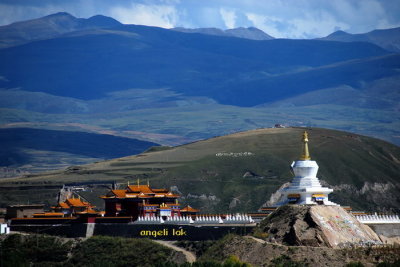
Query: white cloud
point(360, 16)
point(310, 25)
point(164, 16)
point(315, 18)
point(229, 17)
point(266, 24)
point(170, 2)
point(280, 18)
point(206, 17)
point(10, 13)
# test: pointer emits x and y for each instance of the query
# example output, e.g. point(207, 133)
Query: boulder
point(317, 226)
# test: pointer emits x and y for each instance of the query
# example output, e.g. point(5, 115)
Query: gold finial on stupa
point(306, 154)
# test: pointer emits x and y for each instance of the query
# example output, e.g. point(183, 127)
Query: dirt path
point(265, 242)
point(190, 257)
point(256, 239)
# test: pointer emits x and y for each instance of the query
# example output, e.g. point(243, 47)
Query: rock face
point(317, 226)
point(261, 253)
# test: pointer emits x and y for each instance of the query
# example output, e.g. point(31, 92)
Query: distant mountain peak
point(103, 21)
point(339, 32)
point(49, 27)
point(249, 33)
point(388, 39)
point(59, 14)
point(241, 32)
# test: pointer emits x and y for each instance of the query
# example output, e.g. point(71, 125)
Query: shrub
point(285, 261)
point(389, 264)
point(260, 234)
point(116, 251)
point(19, 250)
point(233, 261)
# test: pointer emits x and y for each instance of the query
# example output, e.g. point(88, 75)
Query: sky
point(278, 18)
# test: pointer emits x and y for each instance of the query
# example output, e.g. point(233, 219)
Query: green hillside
point(239, 172)
point(44, 250)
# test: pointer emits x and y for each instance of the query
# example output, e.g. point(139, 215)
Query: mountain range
point(49, 27)
point(173, 86)
point(388, 39)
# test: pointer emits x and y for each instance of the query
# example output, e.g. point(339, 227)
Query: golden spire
point(306, 154)
point(148, 183)
point(138, 182)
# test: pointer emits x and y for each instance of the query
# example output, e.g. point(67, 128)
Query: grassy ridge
point(350, 163)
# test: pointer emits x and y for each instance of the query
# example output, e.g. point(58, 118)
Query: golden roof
point(119, 193)
point(88, 211)
point(76, 202)
point(140, 191)
point(72, 202)
point(63, 205)
point(189, 209)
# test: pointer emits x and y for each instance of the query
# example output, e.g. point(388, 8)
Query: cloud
point(310, 19)
point(311, 27)
point(302, 27)
point(18, 10)
point(360, 16)
point(10, 13)
point(265, 23)
point(229, 17)
point(280, 18)
point(152, 15)
point(204, 17)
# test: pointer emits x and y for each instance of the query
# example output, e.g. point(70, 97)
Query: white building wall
point(4, 229)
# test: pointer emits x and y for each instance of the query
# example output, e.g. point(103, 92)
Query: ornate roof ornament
point(306, 153)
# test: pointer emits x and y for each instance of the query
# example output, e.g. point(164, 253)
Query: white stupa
point(305, 188)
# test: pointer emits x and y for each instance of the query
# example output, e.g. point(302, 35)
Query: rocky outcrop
point(275, 196)
point(317, 226)
point(258, 252)
point(373, 196)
